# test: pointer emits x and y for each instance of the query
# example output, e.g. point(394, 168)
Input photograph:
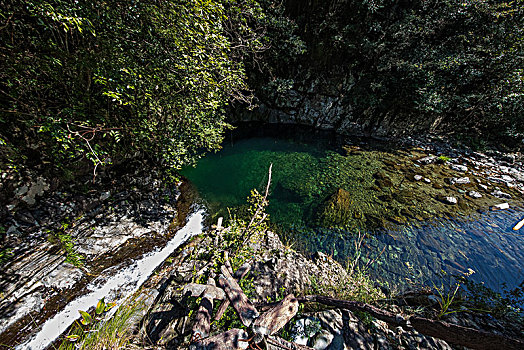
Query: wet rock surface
point(107, 227)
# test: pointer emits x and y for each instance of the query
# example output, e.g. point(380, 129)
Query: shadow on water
point(325, 188)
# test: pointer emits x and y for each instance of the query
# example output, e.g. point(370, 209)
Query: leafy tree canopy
point(103, 80)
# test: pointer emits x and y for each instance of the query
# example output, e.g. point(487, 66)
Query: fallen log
point(464, 336)
point(244, 308)
point(233, 339)
point(377, 313)
point(239, 274)
point(273, 320)
point(196, 290)
point(227, 264)
point(459, 335)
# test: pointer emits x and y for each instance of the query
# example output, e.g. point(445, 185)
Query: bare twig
point(260, 207)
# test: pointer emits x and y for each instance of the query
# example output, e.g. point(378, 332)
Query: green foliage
point(444, 158)
point(450, 296)
point(67, 245)
point(6, 255)
point(98, 331)
point(100, 81)
point(434, 63)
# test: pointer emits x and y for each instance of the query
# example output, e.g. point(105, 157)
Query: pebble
point(500, 194)
point(459, 180)
point(458, 167)
point(474, 194)
point(417, 177)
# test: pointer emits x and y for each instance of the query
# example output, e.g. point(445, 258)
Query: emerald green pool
point(324, 190)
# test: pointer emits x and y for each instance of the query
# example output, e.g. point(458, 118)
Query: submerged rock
point(448, 200)
point(382, 180)
point(459, 180)
point(336, 210)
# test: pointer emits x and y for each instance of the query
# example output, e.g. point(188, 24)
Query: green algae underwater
point(326, 189)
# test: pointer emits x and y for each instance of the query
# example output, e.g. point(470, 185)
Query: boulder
point(336, 210)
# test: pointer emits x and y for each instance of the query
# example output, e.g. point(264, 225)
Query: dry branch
point(380, 314)
point(276, 318)
point(239, 274)
point(244, 308)
point(465, 336)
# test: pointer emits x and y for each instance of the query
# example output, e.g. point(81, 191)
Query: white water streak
point(120, 286)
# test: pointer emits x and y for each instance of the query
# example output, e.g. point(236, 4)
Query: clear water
point(413, 237)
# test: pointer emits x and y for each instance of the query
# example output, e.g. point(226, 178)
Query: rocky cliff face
point(326, 102)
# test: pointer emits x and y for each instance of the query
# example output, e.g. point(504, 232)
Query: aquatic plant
point(448, 296)
point(444, 158)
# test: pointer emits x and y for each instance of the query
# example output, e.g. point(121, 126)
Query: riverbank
point(71, 240)
point(267, 271)
point(59, 243)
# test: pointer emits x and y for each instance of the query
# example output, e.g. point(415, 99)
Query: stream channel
point(326, 189)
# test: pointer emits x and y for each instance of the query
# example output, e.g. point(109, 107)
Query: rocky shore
point(67, 239)
point(125, 216)
point(274, 271)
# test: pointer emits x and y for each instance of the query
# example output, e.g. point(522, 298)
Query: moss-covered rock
point(382, 180)
point(337, 210)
